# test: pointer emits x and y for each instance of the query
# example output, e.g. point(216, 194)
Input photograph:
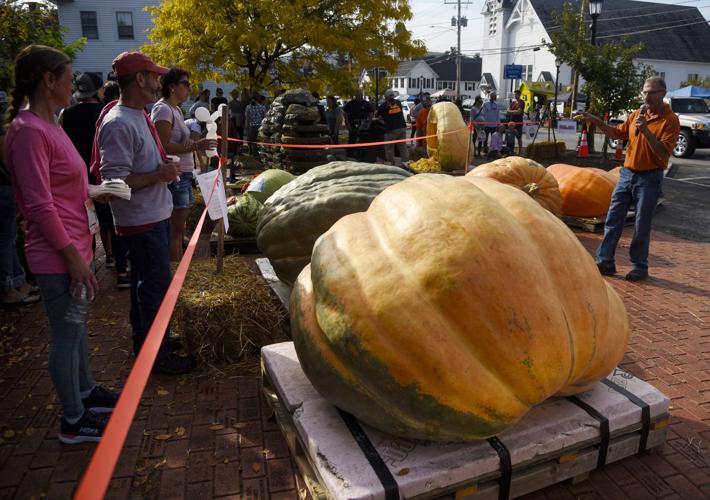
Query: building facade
point(675, 39)
point(436, 72)
point(109, 28)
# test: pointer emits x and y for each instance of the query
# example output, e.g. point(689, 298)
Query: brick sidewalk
point(223, 444)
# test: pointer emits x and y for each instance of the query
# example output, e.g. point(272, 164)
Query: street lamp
point(595, 9)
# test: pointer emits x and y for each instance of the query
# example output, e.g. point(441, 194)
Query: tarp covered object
point(690, 91)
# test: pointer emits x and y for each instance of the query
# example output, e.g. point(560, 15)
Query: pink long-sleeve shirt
point(51, 186)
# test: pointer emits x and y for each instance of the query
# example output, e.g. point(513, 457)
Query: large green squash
point(297, 214)
point(450, 308)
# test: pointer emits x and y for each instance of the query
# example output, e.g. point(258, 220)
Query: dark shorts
point(183, 197)
point(519, 128)
point(103, 213)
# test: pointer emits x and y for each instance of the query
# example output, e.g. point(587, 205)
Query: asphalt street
point(686, 211)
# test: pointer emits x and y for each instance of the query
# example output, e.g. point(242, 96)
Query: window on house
point(528, 72)
point(693, 76)
point(492, 25)
point(662, 74)
point(89, 26)
point(470, 86)
point(124, 21)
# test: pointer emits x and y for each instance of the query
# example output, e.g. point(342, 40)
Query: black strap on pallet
point(506, 467)
point(370, 452)
point(603, 428)
point(645, 411)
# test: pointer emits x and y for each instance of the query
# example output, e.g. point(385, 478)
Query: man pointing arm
point(647, 155)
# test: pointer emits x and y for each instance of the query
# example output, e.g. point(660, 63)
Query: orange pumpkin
point(525, 174)
point(586, 192)
point(455, 340)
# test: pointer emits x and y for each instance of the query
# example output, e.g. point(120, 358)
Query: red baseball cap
point(127, 63)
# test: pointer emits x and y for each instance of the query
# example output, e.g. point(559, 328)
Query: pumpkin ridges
point(527, 175)
point(383, 317)
point(487, 302)
point(586, 192)
point(385, 210)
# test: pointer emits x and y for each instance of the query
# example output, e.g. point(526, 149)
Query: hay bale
point(222, 318)
point(546, 150)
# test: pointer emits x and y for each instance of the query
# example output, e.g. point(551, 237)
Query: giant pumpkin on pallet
point(586, 191)
point(525, 174)
point(450, 308)
point(296, 215)
point(451, 142)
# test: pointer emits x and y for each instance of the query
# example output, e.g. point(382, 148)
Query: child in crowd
point(495, 148)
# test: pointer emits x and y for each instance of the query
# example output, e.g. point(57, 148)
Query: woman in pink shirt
point(51, 187)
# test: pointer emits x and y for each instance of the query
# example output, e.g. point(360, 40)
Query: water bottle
point(78, 309)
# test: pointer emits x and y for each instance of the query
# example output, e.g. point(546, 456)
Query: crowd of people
point(65, 132)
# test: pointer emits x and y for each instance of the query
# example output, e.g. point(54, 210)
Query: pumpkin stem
point(531, 188)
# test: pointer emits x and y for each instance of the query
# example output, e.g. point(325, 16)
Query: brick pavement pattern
point(211, 435)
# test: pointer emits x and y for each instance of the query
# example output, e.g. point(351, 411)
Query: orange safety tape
point(341, 146)
point(98, 474)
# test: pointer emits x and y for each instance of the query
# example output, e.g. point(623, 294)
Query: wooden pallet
point(555, 441)
point(593, 224)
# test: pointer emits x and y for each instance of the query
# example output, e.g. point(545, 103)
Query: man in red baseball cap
point(129, 149)
point(137, 67)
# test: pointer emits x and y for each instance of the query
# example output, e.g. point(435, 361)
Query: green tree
point(612, 80)
point(266, 44)
point(21, 26)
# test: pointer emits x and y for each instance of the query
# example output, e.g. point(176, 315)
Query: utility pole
point(459, 22)
point(575, 78)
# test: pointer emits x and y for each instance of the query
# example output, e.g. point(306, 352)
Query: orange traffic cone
point(583, 146)
point(619, 150)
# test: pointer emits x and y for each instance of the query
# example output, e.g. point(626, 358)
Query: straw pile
point(222, 318)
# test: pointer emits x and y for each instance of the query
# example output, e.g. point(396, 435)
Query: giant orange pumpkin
point(450, 307)
point(525, 174)
point(586, 192)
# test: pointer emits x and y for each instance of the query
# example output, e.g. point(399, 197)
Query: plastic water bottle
point(78, 309)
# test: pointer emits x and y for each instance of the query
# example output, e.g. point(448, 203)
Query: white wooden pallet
point(555, 441)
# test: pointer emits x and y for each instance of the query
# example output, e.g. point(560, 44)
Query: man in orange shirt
point(652, 132)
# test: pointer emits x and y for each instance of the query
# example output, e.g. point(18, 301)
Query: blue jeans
point(68, 354)
point(641, 189)
point(12, 275)
point(183, 196)
point(149, 254)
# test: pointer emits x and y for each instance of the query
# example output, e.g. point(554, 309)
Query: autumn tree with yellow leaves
point(268, 44)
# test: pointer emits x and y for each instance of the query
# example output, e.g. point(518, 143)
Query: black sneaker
point(100, 400)
point(606, 269)
point(637, 275)
point(110, 261)
point(123, 281)
point(173, 364)
point(89, 428)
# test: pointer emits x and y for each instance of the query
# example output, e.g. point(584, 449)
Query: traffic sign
point(513, 71)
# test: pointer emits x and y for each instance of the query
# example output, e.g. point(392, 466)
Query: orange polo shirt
point(664, 126)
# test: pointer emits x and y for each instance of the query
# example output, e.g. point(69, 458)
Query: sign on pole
point(513, 71)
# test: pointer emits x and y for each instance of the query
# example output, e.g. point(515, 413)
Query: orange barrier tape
point(98, 474)
point(341, 146)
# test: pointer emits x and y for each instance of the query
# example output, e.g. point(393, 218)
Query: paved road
point(686, 212)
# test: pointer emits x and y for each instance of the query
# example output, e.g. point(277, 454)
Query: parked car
point(694, 116)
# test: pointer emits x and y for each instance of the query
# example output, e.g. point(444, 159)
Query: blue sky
point(432, 22)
